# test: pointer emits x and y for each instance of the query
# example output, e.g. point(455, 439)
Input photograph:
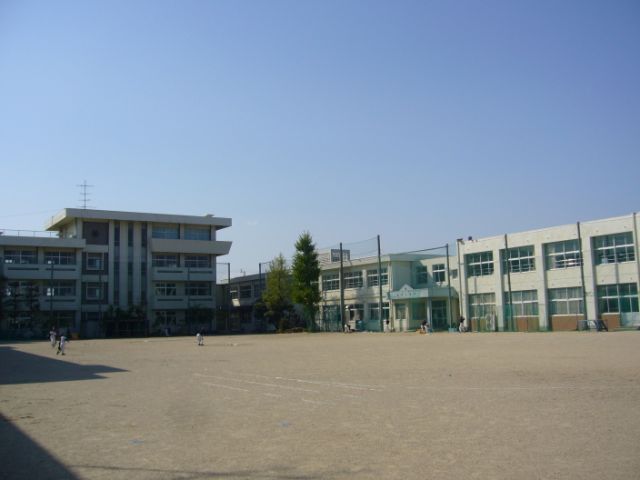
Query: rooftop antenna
point(84, 194)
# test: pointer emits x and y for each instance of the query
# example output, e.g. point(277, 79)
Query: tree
point(306, 271)
point(277, 293)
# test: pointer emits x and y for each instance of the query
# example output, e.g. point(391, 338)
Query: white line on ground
point(272, 385)
point(226, 386)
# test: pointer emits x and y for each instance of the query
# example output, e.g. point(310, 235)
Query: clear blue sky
point(421, 121)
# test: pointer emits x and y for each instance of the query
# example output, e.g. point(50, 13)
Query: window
point(197, 233)
point(372, 277)
point(20, 256)
point(353, 279)
point(20, 288)
point(94, 261)
point(197, 261)
point(170, 232)
point(616, 248)
point(330, 281)
point(330, 313)
point(519, 259)
point(234, 292)
point(563, 254)
point(61, 288)
point(355, 311)
point(566, 301)
point(482, 305)
point(422, 276)
point(524, 303)
point(480, 264)
point(374, 311)
point(116, 233)
point(618, 298)
point(165, 289)
point(439, 273)
point(60, 258)
point(198, 289)
point(164, 260)
point(245, 291)
point(93, 291)
point(166, 317)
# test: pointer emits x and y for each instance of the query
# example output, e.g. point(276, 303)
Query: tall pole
point(51, 295)
point(229, 295)
point(188, 299)
point(380, 287)
point(341, 290)
point(449, 287)
point(508, 265)
point(461, 295)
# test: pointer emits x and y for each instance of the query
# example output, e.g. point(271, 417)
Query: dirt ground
point(324, 406)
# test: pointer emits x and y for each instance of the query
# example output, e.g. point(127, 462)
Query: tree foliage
point(277, 292)
point(305, 272)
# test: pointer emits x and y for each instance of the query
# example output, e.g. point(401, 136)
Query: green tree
point(306, 271)
point(277, 293)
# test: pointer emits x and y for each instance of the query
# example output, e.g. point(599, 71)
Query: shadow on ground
point(22, 458)
point(20, 367)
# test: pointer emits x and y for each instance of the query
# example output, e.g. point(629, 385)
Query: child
point(52, 337)
point(200, 339)
point(62, 344)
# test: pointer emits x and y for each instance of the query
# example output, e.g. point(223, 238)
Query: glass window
point(563, 254)
point(374, 311)
point(60, 288)
point(372, 277)
point(198, 289)
point(479, 264)
point(164, 289)
point(439, 273)
point(566, 301)
point(355, 311)
point(20, 256)
point(482, 305)
point(524, 303)
point(245, 291)
point(519, 259)
point(93, 291)
point(171, 232)
point(422, 276)
point(94, 261)
point(60, 258)
point(616, 248)
point(353, 279)
point(234, 292)
point(330, 281)
point(618, 298)
point(197, 233)
point(166, 317)
point(197, 261)
point(164, 260)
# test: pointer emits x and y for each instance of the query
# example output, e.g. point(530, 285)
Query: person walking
point(62, 344)
point(200, 339)
point(52, 337)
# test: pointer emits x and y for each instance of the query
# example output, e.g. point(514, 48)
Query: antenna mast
point(84, 194)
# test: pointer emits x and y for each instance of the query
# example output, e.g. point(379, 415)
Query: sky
point(419, 121)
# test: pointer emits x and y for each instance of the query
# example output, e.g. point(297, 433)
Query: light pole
point(50, 262)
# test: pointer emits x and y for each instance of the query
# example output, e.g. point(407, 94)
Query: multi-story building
point(113, 273)
point(558, 278)
point(553, 278)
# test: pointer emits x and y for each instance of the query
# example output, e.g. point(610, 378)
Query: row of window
point(172, 232)
point(616, 298)
point(355, 311)
point(173, 260)
point(244, 291)
point(192, 289)
point(354, 279)
point(615, 248)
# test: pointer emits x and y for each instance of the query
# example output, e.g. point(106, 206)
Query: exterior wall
point(127, 276)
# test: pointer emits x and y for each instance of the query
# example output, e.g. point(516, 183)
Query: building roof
point(69, 214)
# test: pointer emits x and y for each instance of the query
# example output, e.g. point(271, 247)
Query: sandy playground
point(324, 406)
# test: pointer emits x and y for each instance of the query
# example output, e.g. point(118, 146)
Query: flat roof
point(67, 215)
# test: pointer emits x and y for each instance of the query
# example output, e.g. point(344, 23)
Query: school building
point(96, 272)
point(557, 278)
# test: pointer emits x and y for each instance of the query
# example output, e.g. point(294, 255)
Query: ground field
point(324, 406)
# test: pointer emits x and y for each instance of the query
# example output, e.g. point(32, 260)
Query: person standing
point(62, 344)
point(52, 337)
point(200, 339)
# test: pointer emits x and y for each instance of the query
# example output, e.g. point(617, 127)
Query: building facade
point(113, 273)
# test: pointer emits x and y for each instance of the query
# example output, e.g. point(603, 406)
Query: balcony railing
point(29, 233)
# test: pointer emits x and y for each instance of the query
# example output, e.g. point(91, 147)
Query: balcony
point(39, 271)
point(183, 274)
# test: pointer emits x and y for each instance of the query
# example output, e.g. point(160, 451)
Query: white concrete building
point(114, 273)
